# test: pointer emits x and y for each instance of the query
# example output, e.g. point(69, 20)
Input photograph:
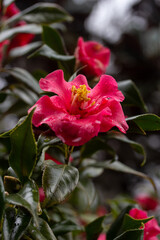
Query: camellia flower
point(147, 202)
point(151, 228)
point(93, 56)
point(78, 113)
point(20, 39)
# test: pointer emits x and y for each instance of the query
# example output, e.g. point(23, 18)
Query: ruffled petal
point(79, 80)
point(77, 132)
point(55, 82)
point(47, 108)
point(108, 87)
point(116, 119)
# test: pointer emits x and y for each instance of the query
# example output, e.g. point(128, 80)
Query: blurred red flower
point(21, 39)
point(93, 56)
point(147, 202)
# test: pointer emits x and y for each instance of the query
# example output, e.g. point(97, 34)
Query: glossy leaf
point(25, 94)
point(45, 13)
point(48, 52)
point(95, 145)
point(23, 153)
point(89, 171)
point(120, 167)
point(29, 28)
point(53, 40)
point(94, 228)
point(85, 195)
point(131, 235)
point(45, 230)
point(58, 182)
point(116, 225)
point(21, 51)
point(42, 13)
point(132, 94)
point(2, 198)
point(12, 184)
point(15, 224)
point(66, 226)
point(35, 233)
point(27, 198)
point(131, 223)
point(25, 77)
point(145, 122)
point(137, 147)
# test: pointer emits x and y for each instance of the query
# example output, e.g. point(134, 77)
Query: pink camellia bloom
point(78, 113)
point(20, 39)
point(151, 228)
point(147, 202)
point(102, 237)
point(93, 56)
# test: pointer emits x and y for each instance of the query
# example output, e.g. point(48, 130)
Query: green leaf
point(94, 228)
point(15, 224)
point(23, 153)
point(7, 134)
point(116, 225)
point(2, 198)
point(137, 147)
point(95, 145)
point(53, 40)
point(66, 226)
point(48, 52)
point(29, 28)
point(45, 230)
point(131, 235)
point(145, 122)
point(3, 96)
point(132, 94)
point(23, 50)
point(120, 167)
point(12, 184)
point(42, 13)
point(58, 182)
point(85, 196)
point(36, 234)
point(131, 223)
point(28, 198)
point(25, 77)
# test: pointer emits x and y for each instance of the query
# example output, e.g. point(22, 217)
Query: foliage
point(68, 209)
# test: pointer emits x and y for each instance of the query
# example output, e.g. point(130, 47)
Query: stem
point(68, 151)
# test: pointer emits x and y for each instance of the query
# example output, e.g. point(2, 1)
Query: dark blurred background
point(131, 29)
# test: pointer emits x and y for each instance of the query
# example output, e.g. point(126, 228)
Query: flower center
point(98, 47)
point(80, 93)
point(80, 102)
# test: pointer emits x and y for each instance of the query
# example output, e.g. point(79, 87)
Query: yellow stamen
point(80, 93)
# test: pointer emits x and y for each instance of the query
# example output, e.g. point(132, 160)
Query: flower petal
point(117, 119)
point(79, 80)
point(77, 132)
point(108, 87)
point(45, 108)
point(54, 82)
